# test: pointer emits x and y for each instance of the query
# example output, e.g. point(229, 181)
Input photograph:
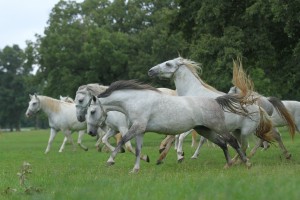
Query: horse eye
point(34, 103)
point(80, 100)
point(168, 64)
point(92, 112)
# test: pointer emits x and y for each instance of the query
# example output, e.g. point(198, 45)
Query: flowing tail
point(284, 113)
point(235, 103)
point(264, 129)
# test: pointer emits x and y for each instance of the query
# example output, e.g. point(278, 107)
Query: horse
point(149, 110)
point(83, 100)
point(80, 133)
point(279, 115)
point(184, 72)
point(61, 116)
point(66, 99)
point(112, 122)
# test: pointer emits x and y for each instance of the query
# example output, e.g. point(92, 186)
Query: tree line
point(101, 41)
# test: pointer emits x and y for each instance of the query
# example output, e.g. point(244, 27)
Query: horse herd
point(132, 109)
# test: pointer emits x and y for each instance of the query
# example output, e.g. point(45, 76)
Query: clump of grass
point(23, 180)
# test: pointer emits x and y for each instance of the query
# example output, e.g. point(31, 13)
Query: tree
point(13, 69)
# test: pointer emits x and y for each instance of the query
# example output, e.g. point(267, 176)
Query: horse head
point(95, 116)
point(34, 105)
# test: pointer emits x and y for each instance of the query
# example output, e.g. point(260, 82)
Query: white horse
point(118, 122)
point(61, 116)
point(111, 122)
point(66, 99)
point(279, 115)
point(184, 72)
point(151, 111)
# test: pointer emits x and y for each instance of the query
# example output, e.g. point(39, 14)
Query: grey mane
point(93, 88)
point(126, 85)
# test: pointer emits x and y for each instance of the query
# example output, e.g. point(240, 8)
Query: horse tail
point(284, 113)
point(265, 127)
point(243, 81)
point(232, 103)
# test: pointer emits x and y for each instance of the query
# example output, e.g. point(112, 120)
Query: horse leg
point(194, 138)
point(201, 142)
point(259, 143)
point(62, 147)
point(68, 134)
point(134, 130)
point(105, 138)
point(100, 134)
point(216, 139)
point(277, 137)
point(138, 148)
point(164, 143)
point(164, 153)
point(240, 150)
point(176, 142)
point(180, 154)
point(51, 138)
point(80, 135)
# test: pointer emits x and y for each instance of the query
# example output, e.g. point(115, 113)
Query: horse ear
point(30, 96)
point(35, 95)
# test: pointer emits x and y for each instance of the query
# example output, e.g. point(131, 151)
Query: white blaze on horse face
point(33, 106)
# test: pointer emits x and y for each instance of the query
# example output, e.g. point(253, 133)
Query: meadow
point(84, 175)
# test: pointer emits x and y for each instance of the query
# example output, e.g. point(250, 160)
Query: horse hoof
point(161, 150)
point(159, 162)
point(288, 156)
point(194, 157)
point(134, 171)
point(180, 160)
point(110, 163)
point(86, 149)
point(248, 165)
point(122, 150)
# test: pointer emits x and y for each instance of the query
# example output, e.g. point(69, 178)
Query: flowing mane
point(125, 85)
point(195, 67)
point(93, 88)
point(50, 103)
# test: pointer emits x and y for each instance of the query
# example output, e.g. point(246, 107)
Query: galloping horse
point(184, 72)
point(83, 99)
point(279, 115)
point(61, 116)
point(151, 111)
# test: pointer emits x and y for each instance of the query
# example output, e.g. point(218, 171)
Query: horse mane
point(51, 103)
point(93, 88)
point(126, 85)
point(195, 67)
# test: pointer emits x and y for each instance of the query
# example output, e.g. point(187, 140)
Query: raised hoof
point(194, 157)
point(180, 160)
point(110, 163)
point(161, 150)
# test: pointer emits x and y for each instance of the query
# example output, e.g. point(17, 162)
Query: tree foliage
point(103, 41)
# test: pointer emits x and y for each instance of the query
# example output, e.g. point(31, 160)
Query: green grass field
point(84, 175)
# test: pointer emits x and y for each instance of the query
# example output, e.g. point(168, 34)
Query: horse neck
point(188, 84)
point(49, 105)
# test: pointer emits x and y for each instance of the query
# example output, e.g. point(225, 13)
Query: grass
point(79, 174)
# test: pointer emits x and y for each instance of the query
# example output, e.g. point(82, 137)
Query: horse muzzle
point(92, 133)
point(152, 73)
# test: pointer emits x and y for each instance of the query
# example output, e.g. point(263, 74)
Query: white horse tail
point(284, 113)
point(265, 127)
